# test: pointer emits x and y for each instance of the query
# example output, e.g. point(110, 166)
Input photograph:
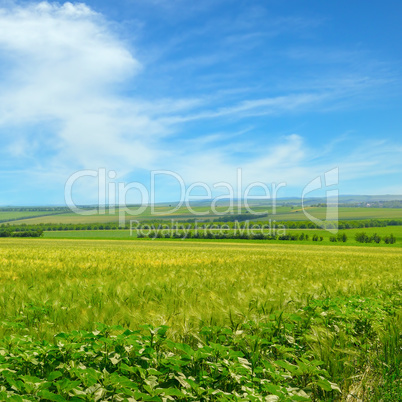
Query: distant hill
point(342, 199)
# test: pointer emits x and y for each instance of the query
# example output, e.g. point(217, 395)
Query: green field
point(345, 213)
point(281, 214)
point(125, 235)
point(247, 320)
point(23, 215)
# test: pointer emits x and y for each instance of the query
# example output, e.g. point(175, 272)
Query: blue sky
point(284, 90)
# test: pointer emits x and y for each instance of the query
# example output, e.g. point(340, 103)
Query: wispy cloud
point(257, 107)
point(70, 99)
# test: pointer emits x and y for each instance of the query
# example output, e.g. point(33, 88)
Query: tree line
point(7, 232)
point(363, 237)
point(221, 235)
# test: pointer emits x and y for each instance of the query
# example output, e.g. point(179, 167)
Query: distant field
point(147, 214)
point(14, 215)
point(344, 213)
point(125, 235)
point(282, 214)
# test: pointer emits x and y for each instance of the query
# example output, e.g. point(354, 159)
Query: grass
point(246, 320)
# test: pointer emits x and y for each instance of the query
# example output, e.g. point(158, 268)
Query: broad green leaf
point(53, 375)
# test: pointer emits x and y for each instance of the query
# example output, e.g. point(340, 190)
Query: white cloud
point(63, 76)
point(64, 69)
point(64, 65)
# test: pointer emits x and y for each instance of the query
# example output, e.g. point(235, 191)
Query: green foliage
point(362, 237)
point(290, 356)
point(7, 232)
point(342, 237)
point(390, 239)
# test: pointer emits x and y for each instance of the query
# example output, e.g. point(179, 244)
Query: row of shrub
point(222, 235)
point(27, 233)
point(363, 237)
point(340, 238)
point(274, 224)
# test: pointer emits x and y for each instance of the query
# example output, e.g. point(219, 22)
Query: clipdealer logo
point(236, 199)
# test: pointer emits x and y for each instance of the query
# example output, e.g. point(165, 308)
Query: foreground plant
point(290, 357)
